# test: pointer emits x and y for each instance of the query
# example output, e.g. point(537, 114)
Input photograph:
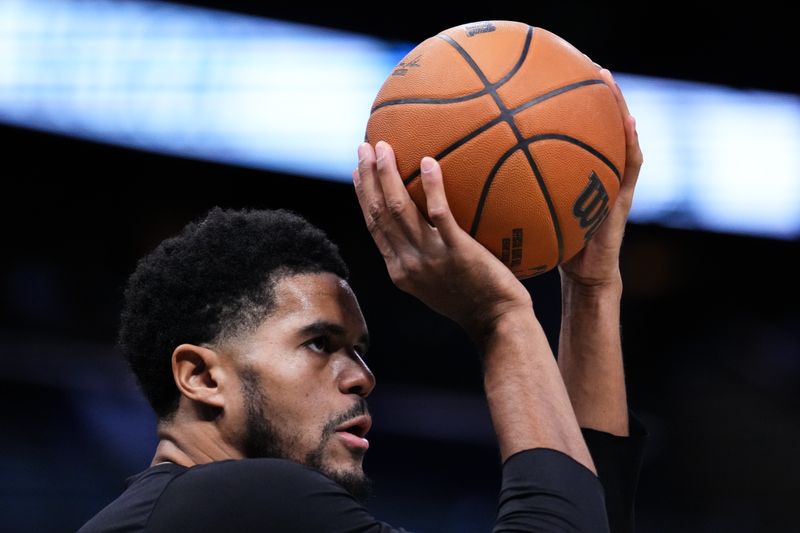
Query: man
point(249, 343)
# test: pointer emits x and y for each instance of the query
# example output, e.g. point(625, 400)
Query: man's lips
point(353, 431)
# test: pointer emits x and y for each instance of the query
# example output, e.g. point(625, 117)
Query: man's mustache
point(360, 408)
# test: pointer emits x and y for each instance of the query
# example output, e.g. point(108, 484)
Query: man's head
point(245, 323)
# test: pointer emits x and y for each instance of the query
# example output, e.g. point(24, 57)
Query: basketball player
point(248, 342)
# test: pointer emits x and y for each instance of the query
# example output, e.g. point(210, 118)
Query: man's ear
point(200, 374)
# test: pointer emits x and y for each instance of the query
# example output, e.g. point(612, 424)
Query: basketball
point(529, 137)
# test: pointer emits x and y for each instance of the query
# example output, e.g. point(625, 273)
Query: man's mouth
point(353, 432)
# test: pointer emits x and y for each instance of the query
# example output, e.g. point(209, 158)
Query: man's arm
point(453, 274)
point(590, 349)
point(590, 356)
point(449, 271)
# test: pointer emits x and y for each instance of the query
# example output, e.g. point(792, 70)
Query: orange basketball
point(529, 137)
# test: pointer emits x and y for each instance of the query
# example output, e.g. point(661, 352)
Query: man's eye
point(320, 344)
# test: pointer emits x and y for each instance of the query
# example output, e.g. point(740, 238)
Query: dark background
point(710, 322)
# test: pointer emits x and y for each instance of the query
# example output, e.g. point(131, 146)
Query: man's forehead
point(323, 296)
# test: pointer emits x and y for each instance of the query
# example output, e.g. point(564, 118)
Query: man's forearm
point(527, 399)
point(590, 356)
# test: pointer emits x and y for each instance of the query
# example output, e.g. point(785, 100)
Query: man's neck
point(190, 444)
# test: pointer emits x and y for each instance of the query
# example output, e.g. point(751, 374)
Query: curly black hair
point(213, 280)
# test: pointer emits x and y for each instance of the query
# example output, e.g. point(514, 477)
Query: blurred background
point(120, 121)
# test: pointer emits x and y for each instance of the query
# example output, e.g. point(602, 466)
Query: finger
point(633, 152)
point(370, 197)
point(438, 209)
point(399, 205)
point(598, 67)
point(368, 187)
point(616, 91)
point(633, 157)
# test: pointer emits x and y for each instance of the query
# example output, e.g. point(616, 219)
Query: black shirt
point(542, 490)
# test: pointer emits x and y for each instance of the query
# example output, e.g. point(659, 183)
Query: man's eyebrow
point(322, 327)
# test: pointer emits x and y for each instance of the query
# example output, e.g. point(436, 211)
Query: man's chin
point(354, 481)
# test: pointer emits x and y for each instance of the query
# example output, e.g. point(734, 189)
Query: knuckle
point(396, 208)
point(372, 225)
point(412, 266)
point(375, 211)
point(404, 271)
point(398, 276)
point(437, 213)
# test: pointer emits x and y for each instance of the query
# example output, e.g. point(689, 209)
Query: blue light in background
point(295, 98)
point(716, 158)
point(192, 82)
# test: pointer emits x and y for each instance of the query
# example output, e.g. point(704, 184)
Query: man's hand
point(439, 264)
point(597, 264)
point(452, 273)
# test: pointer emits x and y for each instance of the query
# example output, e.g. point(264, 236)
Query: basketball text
point(402, 68)
point(480, 27)
point(511, 253)
point(591, 207)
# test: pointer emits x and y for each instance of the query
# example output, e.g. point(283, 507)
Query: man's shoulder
point(168, 496)
point(131, 510)
point(247, 495)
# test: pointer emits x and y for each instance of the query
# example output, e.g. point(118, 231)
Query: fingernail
point(426, 165)
point(356, 177)
point(633, 122)
point(380, 149)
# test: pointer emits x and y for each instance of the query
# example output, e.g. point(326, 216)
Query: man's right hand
point(456, 276)
point(440, 264)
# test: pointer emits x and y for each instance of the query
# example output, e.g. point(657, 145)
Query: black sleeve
point(543, 490)
point(618, 461)
point(259, 495)
point(546, 490)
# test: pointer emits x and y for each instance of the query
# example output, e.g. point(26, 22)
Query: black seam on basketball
point(525, 47)
point(539, 180)
point(414, 175)
point(506, 115)
point(454, 100)
point(548, 200)
point(520, 61)
point(579, 144)
point(555, 92)
point(486, 185)
point(524, 145)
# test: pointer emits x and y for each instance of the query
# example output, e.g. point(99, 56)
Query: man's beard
point(262, 439)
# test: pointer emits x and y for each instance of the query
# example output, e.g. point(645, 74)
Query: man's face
point(304, 380)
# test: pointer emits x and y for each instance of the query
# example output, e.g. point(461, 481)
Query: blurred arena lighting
point(293, 98)
point(191, 82)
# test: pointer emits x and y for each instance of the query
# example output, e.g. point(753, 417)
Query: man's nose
point(356, 377)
